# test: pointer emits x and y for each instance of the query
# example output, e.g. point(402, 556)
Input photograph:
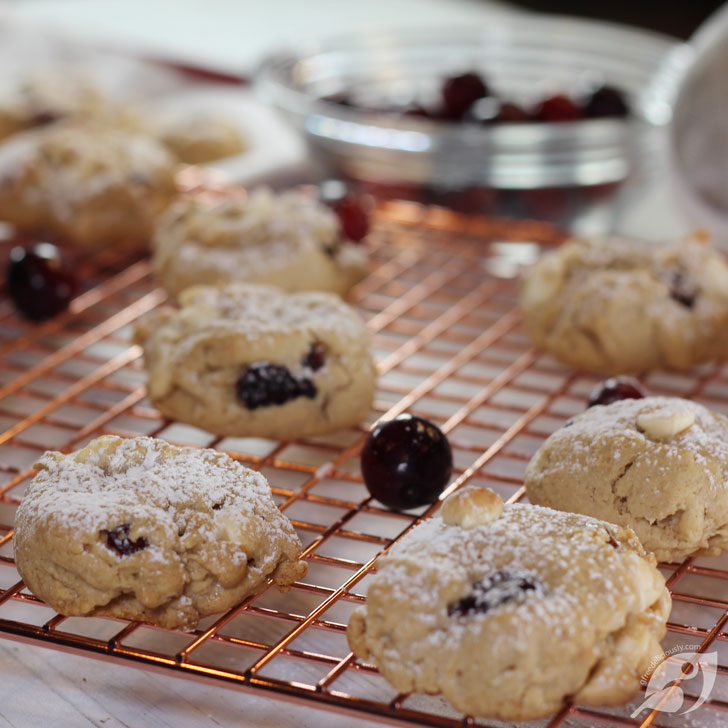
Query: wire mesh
point(440, 303)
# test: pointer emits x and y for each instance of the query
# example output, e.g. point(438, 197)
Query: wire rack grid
point(440, 303)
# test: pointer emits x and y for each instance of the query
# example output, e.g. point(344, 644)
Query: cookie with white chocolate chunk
point(509, 610)
point(658, 465)
point(140, 529)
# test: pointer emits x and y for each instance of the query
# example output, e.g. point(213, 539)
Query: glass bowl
point(523, 58)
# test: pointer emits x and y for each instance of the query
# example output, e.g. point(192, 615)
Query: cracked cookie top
point(535, 604)
point(658, 465)
point(142, 529)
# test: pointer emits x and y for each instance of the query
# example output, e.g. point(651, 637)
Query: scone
point(658, 465)
point(620, 306)
point(247, 360)
point(140, 529)
point(287, 240)
point(196, 138)
point(90, 185)
point(508, 611)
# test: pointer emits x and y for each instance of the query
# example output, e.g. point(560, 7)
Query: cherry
point(351, 209)
point(460, 92)
point(557, 108)
point(510, 113)
point(605, 101)
point(615, 389)
point(406, 462)
point(37, 282)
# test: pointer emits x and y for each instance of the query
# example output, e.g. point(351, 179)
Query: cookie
point(287, 240)
point(509, 611)
point(247, 360)
point(42, 98)
point(658, 465)
point(619, 306)
point(196, 138)
point(140, 529)
point(90, 185)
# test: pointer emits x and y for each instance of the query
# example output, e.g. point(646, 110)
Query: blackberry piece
point(682, 289)
point(492, 591)
point(263, 384)
point(118, 540)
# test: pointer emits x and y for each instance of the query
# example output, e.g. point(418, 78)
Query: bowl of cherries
point(487, 119)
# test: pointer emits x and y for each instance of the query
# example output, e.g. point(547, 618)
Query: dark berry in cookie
point(263, 384)
point(605, 101)
point(614, 389)
point(682, 289)
point(37, 282)
point(557, 108)
point(118, 540)
point(315, 358)
point(406, 462)
point(351, 209)
point(492, 591)
point(460, 92)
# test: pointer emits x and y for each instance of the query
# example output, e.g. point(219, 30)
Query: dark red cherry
point(510, 113)
point(406, 462)
point(37, 282)
point(604, 102)
point(615, 389)
point(557, 108)
point(460, 92)
point(351, 209)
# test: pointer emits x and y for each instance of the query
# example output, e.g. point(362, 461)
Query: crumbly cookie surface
point(196, 138)
point(287, 240)
point(508, 611)
point(247, 360)
point(619, 305)
point(92, 185)
point(658, 465)
point(140, 529)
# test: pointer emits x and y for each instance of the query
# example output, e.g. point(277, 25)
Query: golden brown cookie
point(620, 305)
point(248, 360)
point(94, 186)
point(140, 529)
point(287, 240)
point(658, 465)
point(508, 611)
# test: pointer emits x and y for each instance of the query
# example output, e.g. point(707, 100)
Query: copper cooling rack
point(440, 303)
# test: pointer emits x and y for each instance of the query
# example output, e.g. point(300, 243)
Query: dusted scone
point(288, 240)
point(658, 465)
point(90, 185)
point(139, 529)
point(619, 305)
point(250, 360)
point(510, 610)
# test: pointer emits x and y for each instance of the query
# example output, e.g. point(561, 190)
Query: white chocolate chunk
point(471, 507)
point(664, 423)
